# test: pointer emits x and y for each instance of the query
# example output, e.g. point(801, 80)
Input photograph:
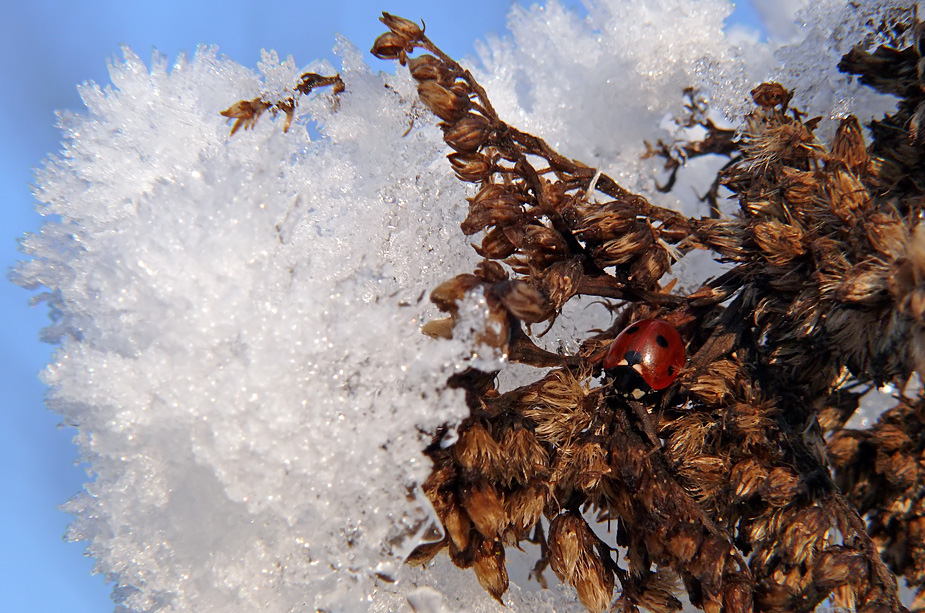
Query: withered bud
point(490, 570)
point(468, 134)
point(478, 452)
point(838, 565)
point(245, 113)
point(458, 526)
point(446, 103)
point(448, 293)
point(573, 559)
point(747, 477)
point(471, 167)
point(524, 507)
point(490, 272)
point(526, 457)
point(561, 281)
point(495, 245)
point(428, 68)
point(391, 46)
point(544, 242)
point(848, 146)
point(439, 328)
point(769, 95)
point(402, 26)
point(780, 487)
point(486, 509)
point(524, 301)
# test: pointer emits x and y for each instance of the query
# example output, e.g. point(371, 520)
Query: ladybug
point(645, 357)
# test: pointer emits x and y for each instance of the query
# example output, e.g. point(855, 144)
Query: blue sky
point(48, 48)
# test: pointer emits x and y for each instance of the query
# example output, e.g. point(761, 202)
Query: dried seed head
point(428, 68)
point(524, 508)
point(490, 272)
point(447, 294)
point(439, 328)
point(490, 570)
point(391, 46)
point(805, 532)
point(543, 244)
point(560, 281)
point(448, 104)
point(527, 458)
point(492, 205)
point(849, 147)
point(485, 507)
point(769, 95)
point(496, 245)
point(468, 134)
point(523, 301)
point(573, 559)
point(402, 26)
point(245, 113)
point(471, 167)
point(477, 452)
point(458, 526)
point(781, 486)
point(747, 477)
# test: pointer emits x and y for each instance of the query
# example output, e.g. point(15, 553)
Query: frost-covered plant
point(240, 319)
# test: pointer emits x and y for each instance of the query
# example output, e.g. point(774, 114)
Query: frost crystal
point(238, 318)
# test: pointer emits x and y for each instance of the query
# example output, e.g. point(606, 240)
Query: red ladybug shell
point(651, 347)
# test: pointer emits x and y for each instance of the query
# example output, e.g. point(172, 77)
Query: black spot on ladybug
point(632, 329)
point(632, 357)
point(672, 370)
point(661, 340)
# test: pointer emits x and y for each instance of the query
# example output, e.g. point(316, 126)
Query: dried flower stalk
point(739, 482)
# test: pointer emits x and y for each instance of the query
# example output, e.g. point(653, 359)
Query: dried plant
point(739, 481)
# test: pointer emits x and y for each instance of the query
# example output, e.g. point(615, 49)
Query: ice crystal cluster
point(238, 318)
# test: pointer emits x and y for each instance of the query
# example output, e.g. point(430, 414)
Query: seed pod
point(543, 244)
point(573, 559)
point(561, 280)
point(496, 245)
point(849, 147)
point(769, 95)
point(486, 509)
point(524, 301)
point(478, 453)
point(491, 272)
point(747, 477)
point(448, 293)
point(471, 167)
point(490, 570)
point(468, 134)
point(446, 103)
point(428, 68)
point(401, 26)
point(780, 487)
point(391, 46)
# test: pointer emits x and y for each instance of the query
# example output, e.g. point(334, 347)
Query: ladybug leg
point(646, 420)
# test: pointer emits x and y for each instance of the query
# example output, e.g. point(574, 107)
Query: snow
point(237, 318)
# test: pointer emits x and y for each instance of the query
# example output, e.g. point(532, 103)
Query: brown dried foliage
point(739, 482)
